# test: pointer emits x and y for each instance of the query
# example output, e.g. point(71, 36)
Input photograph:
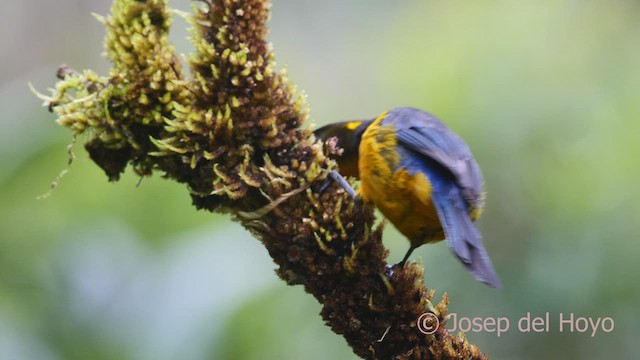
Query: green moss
point(235, 134)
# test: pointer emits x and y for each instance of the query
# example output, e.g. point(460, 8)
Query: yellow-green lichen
point(234, 132)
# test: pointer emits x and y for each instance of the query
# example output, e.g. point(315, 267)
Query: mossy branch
point(235, 133)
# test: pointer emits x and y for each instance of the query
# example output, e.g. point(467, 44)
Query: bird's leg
point(406, 256)
point(343, 182)
point(335, 176)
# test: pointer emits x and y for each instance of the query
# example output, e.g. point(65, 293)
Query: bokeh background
point(547, 94)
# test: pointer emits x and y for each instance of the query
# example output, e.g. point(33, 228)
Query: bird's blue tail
point(463, 237)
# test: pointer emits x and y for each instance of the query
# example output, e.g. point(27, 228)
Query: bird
point(421, 176)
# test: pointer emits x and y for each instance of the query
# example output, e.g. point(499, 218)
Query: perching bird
point(421, 176)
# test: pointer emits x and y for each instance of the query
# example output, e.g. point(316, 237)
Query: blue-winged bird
point(421, 176)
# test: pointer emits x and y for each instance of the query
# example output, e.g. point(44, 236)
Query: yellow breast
point(402, 198)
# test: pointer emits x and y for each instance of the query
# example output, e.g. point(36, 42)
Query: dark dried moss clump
point(235, 133)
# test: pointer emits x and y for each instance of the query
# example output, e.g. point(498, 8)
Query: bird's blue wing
point(427, 136)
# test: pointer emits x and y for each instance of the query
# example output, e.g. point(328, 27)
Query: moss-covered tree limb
point(234, 132)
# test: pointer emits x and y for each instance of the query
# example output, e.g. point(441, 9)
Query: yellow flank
point(402, 198)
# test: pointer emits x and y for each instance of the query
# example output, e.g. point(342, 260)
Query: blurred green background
point(546, 93)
